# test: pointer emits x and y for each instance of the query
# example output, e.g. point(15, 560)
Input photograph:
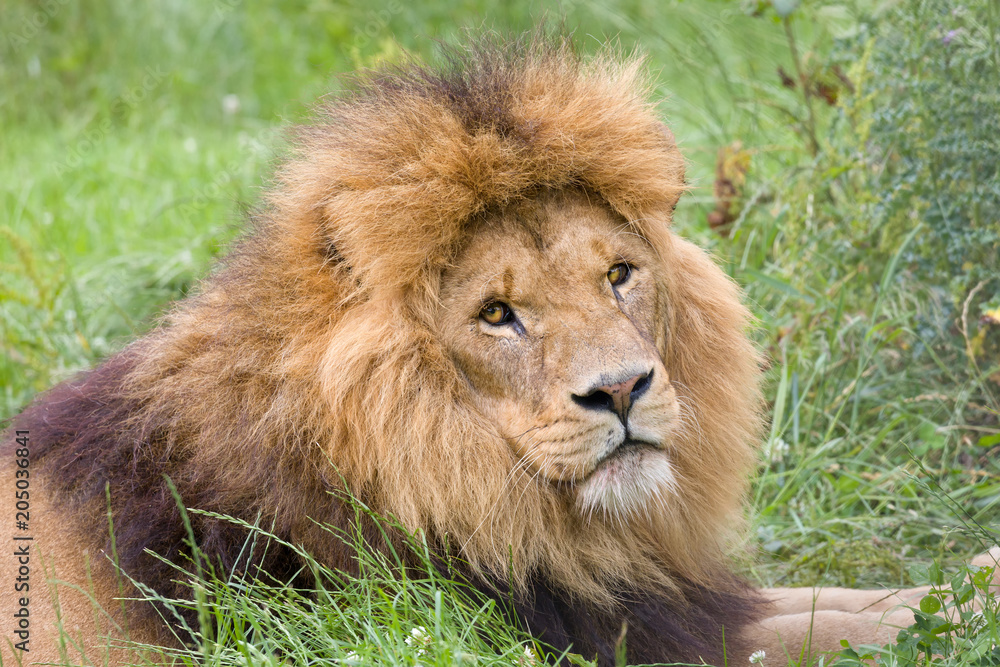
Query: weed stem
point(811, 120)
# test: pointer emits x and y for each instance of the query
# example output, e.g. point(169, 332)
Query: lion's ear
point(655, 183)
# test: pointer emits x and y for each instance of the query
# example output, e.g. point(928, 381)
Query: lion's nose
point(617, 397)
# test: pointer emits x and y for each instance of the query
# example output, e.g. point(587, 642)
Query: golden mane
point(389, 177)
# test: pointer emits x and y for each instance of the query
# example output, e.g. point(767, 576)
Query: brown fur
point(319, 342)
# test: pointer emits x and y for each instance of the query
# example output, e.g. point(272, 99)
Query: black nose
point(618, 397)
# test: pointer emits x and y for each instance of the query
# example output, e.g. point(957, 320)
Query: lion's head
point(524, 357)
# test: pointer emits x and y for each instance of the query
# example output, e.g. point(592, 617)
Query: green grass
point(136, 134)
point(390, 613)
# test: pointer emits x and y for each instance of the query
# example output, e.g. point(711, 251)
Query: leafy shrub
point(933, 142)
point(955, 624)
point(884, 397)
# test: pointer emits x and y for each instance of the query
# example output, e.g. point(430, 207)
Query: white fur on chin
point(632, 484)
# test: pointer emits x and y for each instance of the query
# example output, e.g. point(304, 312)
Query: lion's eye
point(496, 313)
point(619, 273)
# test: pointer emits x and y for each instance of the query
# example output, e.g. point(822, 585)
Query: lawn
point(860, 143)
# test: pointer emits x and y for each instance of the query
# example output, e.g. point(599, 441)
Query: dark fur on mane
point(704, 627)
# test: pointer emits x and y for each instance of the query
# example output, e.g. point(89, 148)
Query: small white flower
point(757, 658)
point(352, 658)
point(529, 657)
point(231, 104)
point(418, 636)
point(775, 450)
point(419, 639)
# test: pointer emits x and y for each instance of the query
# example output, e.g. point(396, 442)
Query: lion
point(462, 302)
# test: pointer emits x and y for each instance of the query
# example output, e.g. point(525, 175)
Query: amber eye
point(496, 313)
point(619, 273)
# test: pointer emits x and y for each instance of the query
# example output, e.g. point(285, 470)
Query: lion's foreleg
point(808, 622)
point(800, 638)
point(786, 601)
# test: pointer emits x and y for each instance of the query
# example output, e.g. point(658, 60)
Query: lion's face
point(552, 311)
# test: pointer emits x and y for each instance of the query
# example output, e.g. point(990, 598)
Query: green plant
point(880, 387)
point(956, 624)
point(932, 142)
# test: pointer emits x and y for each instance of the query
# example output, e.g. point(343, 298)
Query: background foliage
point(845, 165)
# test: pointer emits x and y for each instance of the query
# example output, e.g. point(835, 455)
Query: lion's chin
point(633, 484)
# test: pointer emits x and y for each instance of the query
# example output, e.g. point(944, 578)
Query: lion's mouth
point(632, 479)
point(629, 448)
